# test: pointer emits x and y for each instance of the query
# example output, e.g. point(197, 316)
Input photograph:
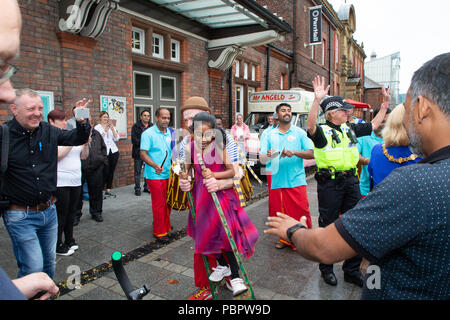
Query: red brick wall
point(284, 9)
point(374, 97)
point(102, 67)
point(307, 68)
point(194, 82)
point(40, 59)
point(74, 67)
point(218, 92)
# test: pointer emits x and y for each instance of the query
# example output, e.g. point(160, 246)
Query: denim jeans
point(138, 163)
point(33, 235)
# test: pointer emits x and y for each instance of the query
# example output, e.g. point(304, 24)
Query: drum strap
point(237, 185)
point(244, 161)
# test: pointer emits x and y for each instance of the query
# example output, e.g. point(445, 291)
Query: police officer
point(336, 155)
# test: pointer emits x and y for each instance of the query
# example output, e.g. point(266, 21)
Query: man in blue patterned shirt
point(402, 227)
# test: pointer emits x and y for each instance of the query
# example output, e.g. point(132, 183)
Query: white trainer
point(238, 286)
point(219, 273)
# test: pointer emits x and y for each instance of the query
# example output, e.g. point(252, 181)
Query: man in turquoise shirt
point(365, 146)
point(156, 152)
point(288, 174)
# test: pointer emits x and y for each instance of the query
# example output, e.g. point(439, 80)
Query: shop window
point(138, 40)
point(175, 50)
point(158, 46)
point(143, 85)
point(168, 88)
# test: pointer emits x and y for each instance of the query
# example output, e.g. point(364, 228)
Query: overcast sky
point(419, 29)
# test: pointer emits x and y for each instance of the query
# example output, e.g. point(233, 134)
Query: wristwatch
point(292, 229)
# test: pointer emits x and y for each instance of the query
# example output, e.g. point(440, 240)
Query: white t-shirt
point(240, 133)
point(69, 169)
point(108, 138)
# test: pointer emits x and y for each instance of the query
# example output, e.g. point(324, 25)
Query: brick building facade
point(121, 60)
point(156, 53)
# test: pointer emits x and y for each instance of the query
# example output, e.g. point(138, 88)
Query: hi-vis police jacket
point(341, 156)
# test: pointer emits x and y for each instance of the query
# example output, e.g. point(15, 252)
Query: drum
point(176, 199)
point(246, 186)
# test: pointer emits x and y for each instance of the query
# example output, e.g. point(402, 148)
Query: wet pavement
point(168, 269)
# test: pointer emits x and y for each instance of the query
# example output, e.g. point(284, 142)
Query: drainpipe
point(267, 67)
point(230, 96)
point(329, 54)
point(294, 45)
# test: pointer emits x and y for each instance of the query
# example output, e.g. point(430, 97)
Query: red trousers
point(293, 202)
point(200, 275)
point(161, 211)
point(272, 211)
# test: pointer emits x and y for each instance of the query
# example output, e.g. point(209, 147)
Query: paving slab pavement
point(275, 274)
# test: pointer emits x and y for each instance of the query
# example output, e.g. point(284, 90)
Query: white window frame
point(142, 40)
point(253, 77)
point(151, 85)
point(336, 53)
point(160, 88)
point(240, 107)
point(245, 70)
point(236, 74)
point(161, 45)
point(177, 50)
point(140, 105)
point(174, 114)
point(323, 52)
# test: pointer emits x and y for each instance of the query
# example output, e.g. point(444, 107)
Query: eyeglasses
point(7, 70)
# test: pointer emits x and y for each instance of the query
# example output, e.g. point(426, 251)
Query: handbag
point(4, 203)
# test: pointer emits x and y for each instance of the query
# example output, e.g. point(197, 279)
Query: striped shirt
point(231, 148)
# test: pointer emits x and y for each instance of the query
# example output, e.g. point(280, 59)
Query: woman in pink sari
point(208, 232)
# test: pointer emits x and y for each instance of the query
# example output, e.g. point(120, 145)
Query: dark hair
point(56, 115)
point(283, 104)
point(378, 110)
point(103, 113)
point(205, 117)
point(158, 111)
point(145, 110)
point(218, 117)
point(431, 81)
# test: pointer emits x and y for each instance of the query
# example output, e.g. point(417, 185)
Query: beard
point(281, 120)
point(415, 142)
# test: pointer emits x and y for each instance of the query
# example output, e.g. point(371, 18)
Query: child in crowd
point(208, 232)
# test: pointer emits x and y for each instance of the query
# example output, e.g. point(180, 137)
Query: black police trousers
point(337, 197)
